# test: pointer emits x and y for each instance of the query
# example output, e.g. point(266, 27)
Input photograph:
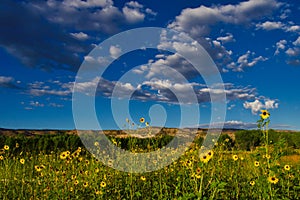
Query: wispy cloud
point(246, 60)
point(8, 82)
point(232, 124)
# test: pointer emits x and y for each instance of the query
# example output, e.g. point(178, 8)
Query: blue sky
point(255, 45)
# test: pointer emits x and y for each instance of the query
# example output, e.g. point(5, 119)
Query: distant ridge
point(117, 133)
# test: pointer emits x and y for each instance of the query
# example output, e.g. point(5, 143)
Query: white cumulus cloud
point(80, 36)
point(115, 51)
point(257, 105)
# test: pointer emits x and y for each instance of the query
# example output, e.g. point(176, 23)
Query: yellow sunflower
point(256, 163)
point(22, 161)
point(273, 179)
point(76, 182)
point(264, 114)
point(188, 163)
point(287, 167)
point(103, 184)
point(85, 184)
point(252, 183)
point(142, 119)
point(63, 155)
point(204, 158)
point(1, 158)
point(143, 178)
point(6, 147)
point(37, 168)
point(235, 157)
point(210, 154)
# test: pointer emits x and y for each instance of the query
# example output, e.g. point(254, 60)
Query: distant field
point(57, 166)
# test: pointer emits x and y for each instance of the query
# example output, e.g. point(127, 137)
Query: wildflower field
point(230, 170)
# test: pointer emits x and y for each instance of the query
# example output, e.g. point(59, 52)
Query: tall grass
point(222, 173)
point(77, 175)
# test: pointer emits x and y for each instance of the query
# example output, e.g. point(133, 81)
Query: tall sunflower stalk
point(263, 125)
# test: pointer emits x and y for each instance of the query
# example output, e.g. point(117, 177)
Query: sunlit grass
point(265, 173)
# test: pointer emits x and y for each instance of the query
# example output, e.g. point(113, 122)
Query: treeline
point(250, 139)
point(243, 140)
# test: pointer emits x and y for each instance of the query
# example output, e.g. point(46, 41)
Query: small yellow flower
point(188, 163)
point(264, 114)
point(252, 183)
point(197, 176)
point(287, 167)
point(85, 184)
point(38, 168)
point(273, 179)
point(22, 161)
point(147, 123)
point(98, 192)
point(256, 163)
point(76, 182)
point(17, 145)
point(204, 158)
point(198, 170)
point(6, 147)
point(96, 144)
point(75, 154)
point(235, 157)
point(143, 178)
point(210, 154)
point(142, 119)
point(1, 158)
point(267, 156)
point(63, 155)
point(103, 184)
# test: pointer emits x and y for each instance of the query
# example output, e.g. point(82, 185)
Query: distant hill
point(117, 133)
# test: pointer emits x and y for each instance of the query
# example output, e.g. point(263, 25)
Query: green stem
point(267, 157)
point(201, 185)
point(131, 189)
point(160, 186)
point(288, 185)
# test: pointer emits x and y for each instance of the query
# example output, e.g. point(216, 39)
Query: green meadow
point(250, 164)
